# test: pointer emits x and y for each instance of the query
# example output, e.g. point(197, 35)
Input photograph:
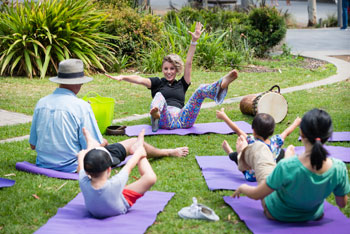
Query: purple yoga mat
point(251, 212)
point(201, 128)
point(339, 152)
point(338, 136)
point(74, 218)
point(31, 168)
point(6, 183)
point(221, 173)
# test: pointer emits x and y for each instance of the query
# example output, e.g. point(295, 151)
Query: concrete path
point(297, 9)
point(11, 118)
point(323, 39)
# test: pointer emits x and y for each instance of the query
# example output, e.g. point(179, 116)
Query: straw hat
point(71, 71)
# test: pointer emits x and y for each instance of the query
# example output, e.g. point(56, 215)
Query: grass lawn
point(21, 212)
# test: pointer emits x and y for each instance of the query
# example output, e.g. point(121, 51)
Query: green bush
point(265, 29)
point(214, 19)
point(35, 36)
point(177, 40)
point(115, 3)
point(330, 21)
point(136, 32)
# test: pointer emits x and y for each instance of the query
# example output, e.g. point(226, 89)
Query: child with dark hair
point(295, 189)
point(263, 127)
point(105, 196)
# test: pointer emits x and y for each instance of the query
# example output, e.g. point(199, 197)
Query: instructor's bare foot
point(227, 148)
point(155, 113)
point(228, 78)
point(90, 141)
point(178, 152)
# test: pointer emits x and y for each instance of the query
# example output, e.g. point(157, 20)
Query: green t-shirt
point(299, 193)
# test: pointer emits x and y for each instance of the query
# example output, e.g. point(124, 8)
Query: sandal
point(115, 130)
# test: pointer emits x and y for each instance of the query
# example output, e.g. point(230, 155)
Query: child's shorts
point(131, 196)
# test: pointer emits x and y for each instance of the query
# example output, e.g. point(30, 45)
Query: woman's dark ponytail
point(318, 155)
point(316, 125)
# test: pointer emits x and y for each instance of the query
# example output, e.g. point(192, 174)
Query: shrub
point(214, 19)
point(265, 29)
point(35, 36)
point(177, 40)
point(330, 21)
point(136, 32)
point(115, 3)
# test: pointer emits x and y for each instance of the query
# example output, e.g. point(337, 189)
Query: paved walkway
point(297, 9)
point(11, 118)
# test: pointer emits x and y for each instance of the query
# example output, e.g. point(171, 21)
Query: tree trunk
point(311, 9)
point(205, 4)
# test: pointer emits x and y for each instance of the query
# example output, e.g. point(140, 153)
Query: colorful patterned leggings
point(172, 117)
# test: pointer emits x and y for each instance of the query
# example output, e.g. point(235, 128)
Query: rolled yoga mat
point(6, 183)
point(31, 168)
point(251, 212)
point(198, 129)
point(338, 136)
point(220, 172)
point(74, 217)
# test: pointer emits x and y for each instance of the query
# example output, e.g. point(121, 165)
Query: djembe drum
point(270, 102)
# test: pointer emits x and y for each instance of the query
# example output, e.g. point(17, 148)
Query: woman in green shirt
point(296, 189)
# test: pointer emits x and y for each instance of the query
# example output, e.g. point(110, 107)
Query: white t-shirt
point(108, 200)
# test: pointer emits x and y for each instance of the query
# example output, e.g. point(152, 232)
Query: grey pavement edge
point(11, 118)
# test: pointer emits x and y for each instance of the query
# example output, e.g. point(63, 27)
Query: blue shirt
point(108, 200)
point(299, 193)
point(275, 145)
point(56, 130)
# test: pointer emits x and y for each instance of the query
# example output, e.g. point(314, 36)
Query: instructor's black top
point(174, 93)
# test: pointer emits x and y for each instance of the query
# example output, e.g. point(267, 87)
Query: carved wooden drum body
point(270, 102)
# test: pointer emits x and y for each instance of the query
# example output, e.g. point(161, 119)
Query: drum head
point(273, 104)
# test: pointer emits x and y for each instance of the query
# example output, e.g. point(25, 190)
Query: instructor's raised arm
point(188, 65)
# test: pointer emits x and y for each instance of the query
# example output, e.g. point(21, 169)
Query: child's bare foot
point(228, 78)
point(290, 151)
point(90, 141)
point(155, 113)
point(227, 148)
point(139, 142)
point(178, 152)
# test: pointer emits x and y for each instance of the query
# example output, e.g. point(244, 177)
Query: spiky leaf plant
point(36, 36)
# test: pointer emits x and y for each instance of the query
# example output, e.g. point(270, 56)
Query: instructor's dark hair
point(263, 125)
point(316, 125)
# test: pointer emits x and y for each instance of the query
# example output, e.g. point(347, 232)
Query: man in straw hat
point(57, 127)
point(56, 133)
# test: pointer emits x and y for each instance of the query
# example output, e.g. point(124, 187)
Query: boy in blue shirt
point(263, 127)
point(105, 196)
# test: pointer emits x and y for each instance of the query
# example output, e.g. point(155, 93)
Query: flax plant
point(36, 36)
